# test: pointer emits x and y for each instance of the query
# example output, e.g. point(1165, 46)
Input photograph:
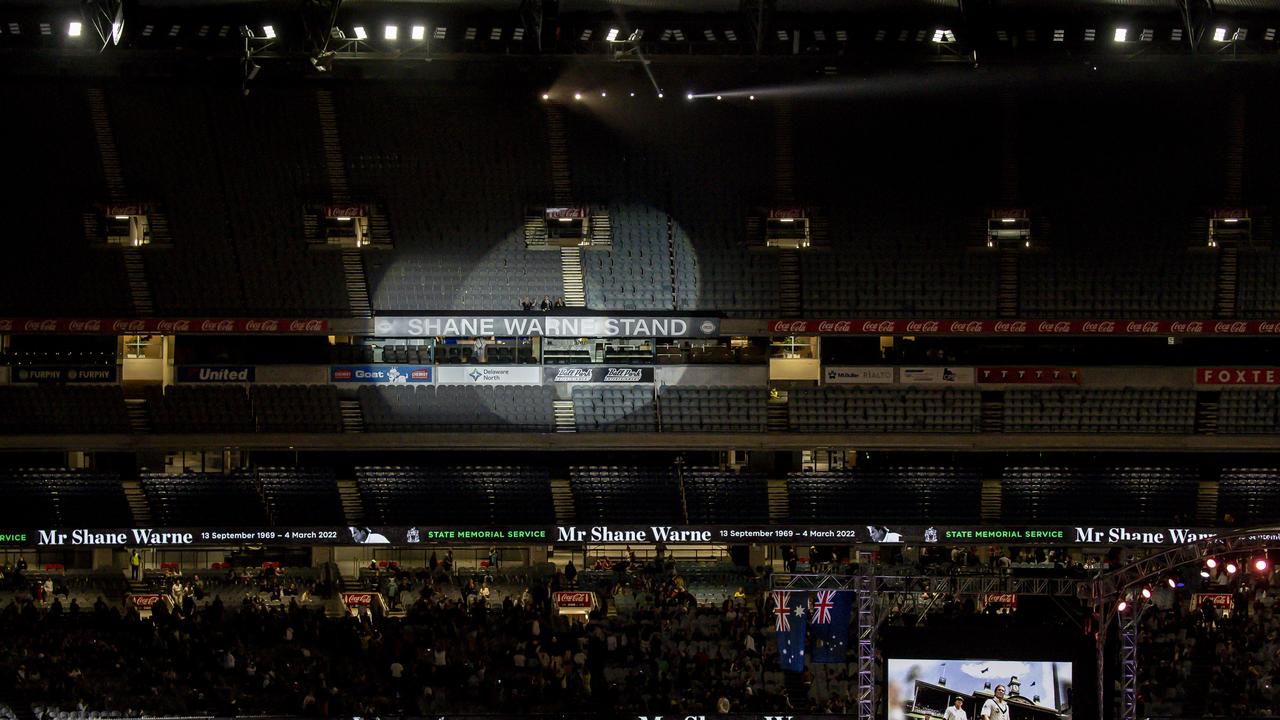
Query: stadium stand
point(1130, 410)
point(884, 410)
point(714, 496)
point(193, 409)
point(713, 409)
point(1149, 495)
point(62, 498)
point(626, 494)
point(296, 408)
point(457, 408)
point(888, 495)
point(61, 409)
point(1246, 411)
point(204, 499)
point(301, 497)
point(489, 496)
point(614, 409)
point(1250, 496)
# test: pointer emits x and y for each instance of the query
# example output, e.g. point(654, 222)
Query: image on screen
point(924, 689)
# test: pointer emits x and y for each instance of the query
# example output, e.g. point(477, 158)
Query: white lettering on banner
point(1172, 536)
point(1238, 376)
point(548, 326)
point(836, 375)
point(1150, 326)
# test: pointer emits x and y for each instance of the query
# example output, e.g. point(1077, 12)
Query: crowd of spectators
point(1211, 660)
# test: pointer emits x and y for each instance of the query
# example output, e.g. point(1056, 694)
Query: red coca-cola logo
point(923, 326)
point(306, 326)
point(217, 326)
point(790, 326)
point(84, 325)
point(835, 326)
point(1264, 326)
point(971, 326)
point(172, 326)
point(129, 326)
point(878, 326)
point(1150, 326)
point(1012, 326)
point(347, 211)
point(1238, 326)
point(1187, 327)
point(1094, 326)
point(357, 598)
point(145, 601)
point(262, 325)
point(1062, 326)
point(40, 325)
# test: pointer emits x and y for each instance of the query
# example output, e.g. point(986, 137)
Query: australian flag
point(832, 611)
point(789, 614)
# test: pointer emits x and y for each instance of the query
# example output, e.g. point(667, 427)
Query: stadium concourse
point(581, 359)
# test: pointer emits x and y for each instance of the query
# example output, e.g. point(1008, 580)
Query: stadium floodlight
point(612, 36)
point(1220, 34)
point(73, 30)
point(418, 32)
point(269, 32)
point(360, 33)
point(1121, 34)
point(390, 32)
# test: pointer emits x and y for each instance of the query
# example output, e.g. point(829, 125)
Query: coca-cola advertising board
point(1179, 328)
point(165, 326)
point(1029, 376)
point(574, 599)
point(1238, 376)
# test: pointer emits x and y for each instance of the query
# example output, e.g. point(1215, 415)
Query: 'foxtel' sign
point(572, 326)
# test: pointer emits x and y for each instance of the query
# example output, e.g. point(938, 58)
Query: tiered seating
point(200, 499)
point(456, 495)
point(713, 409)
point(1249, 411)
point(50, 269)
point(1130, 410)
point(888, 495)
point(192, 409)
point(630, 495)
point(605, 408)
point(301, 496)
point(899, 267)
point(1152, 495)
point(457, 408)
point(60, 409)
point(1140, 277)
point(1258, 289)
point(296, 408)
point(715, 496)
point(62, 498)
point(456, 205)
point(884, 410)
point(1250, 495)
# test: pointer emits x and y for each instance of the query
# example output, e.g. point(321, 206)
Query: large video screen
point(923, 689)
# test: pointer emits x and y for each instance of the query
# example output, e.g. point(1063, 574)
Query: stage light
point(269, 31)
point(1146, 593)
point(633, 94)
point(1211, 563)
point(719, 97)
point(1122, 606)
point(360, 33)
point(1204, 574)
point(660, 96)
point(1231, 568)
point(1260, 565)
point(688, 96)
point(604, 94)
point(73, 30)
point(1173, 584)
point(390, 32)
point(418, 32)
point(1121, 34)
point(1220, 34)
point(546, 96)
point(577, 96)
point(751, 97)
